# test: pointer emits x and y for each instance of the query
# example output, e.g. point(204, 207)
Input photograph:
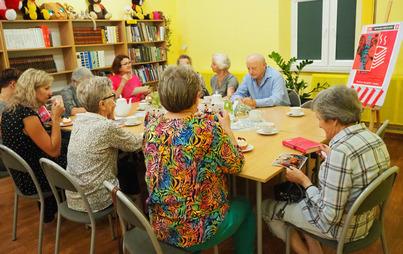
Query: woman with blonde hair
point(24, 133)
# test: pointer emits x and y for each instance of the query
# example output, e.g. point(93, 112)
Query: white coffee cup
point(267, 127)
point(207, 99)
point(131, 120)
point(296, 111)
point(143, 105)
point(256, 115)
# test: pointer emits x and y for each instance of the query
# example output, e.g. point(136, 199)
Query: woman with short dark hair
point(355, 157)
point(187, 160)
point(124, 82)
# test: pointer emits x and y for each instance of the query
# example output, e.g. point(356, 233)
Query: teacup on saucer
point(266, 127)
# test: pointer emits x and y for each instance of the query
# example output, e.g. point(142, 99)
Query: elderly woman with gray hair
point(187, 160)
point(93, 149)
point(69, 94)
point(355, 156)
point(224, 82)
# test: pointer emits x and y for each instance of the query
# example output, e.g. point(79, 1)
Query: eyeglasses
point(127, 63)
point(110, 96)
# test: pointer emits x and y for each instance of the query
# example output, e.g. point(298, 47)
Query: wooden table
point(266, 148)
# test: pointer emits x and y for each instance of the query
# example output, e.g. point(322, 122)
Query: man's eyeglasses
point(110, 96)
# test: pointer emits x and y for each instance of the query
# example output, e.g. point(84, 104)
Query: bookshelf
point(68, 44)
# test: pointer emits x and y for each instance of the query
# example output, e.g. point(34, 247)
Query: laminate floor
point(75, 238)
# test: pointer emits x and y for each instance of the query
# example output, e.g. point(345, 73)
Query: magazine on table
point(289, 159)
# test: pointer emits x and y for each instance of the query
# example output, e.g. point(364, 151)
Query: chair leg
point(57, 233)
point(15, 217)
point(42, 213)
point(93, 232)
point(383, 239)
point(288, 240)
point(215, 249)
point(111, 226)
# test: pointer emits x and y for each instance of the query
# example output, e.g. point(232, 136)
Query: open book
point(288, 159)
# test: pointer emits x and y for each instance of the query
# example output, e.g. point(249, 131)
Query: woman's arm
point(123, 82)
point(34, 129)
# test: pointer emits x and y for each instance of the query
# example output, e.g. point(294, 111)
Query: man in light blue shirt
point(263, 86)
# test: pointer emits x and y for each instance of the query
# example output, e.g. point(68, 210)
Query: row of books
point(142, 32)
point(103, 34)
point(102, 73)
point(91, 59)
point(147, 73)
point(144, 53)
point(39, 37)
point(44, 62)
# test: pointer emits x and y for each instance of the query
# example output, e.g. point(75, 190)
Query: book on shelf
point(87, 35)
point(45, 33)
point(43, 62)
point(91, 59)
point(25, 38)
point(303, 145)
point(289, 159)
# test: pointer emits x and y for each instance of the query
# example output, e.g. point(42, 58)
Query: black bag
point(289, 191)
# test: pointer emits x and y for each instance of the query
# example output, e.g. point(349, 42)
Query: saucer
point(134, 124)
point(64, 125)
point(247, 149)
point(274, 131)
point(301, 114)
point(140, 109)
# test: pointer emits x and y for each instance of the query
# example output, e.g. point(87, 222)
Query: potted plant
point(292, 77)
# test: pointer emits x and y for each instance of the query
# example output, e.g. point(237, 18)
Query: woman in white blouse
point(93, 149)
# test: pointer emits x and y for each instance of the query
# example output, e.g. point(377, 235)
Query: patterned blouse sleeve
point(229, 157)
point(330, 201)
point(123, 140)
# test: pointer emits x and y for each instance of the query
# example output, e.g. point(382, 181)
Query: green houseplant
point(292, 77)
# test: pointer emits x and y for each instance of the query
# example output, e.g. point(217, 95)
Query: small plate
point(65, 125)
point(140, 109)
point(301, 114)
point(247, 149)
point(135, 124)
point(274, 131)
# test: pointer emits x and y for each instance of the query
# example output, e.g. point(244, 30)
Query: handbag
point(289, 192)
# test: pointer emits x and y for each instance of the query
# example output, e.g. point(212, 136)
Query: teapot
point(123, 107)
point(257, 115)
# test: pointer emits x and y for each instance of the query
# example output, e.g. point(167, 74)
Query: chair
point(294, 98)
point(381, 131)
point(13, 161)
point(375, 194)
point(141, 238)
point(60, 179)
point(307, 104)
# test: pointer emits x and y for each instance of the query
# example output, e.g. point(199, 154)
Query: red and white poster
point(374, 62)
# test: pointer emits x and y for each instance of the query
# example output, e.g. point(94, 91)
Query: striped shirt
point(357, 156)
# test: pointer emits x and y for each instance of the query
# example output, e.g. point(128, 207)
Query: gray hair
point(222, 60)
point(178, 88)
point(25, 90)
point(338, 103)
point(81, 73)
point(256, 57)
point(92, 91)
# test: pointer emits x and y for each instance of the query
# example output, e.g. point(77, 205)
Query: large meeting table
point(266, 148)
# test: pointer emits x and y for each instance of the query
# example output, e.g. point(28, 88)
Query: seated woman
point(187, 159)
point(124, 82)
point(223, 82)
point(24, 133)
point(186, 60)
point(93, 149)
point(355, 157)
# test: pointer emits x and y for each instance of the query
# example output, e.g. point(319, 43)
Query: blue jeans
point(240, 223)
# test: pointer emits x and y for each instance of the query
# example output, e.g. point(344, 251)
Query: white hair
point(222, 61)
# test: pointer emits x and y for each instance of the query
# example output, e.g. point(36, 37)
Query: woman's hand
point(324, 150)
point(126, 78)
point(297, 176)
point(224, 120)
point(57, 110)
point(147, 92)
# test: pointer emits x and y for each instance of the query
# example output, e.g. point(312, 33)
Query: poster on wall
point(375, 61)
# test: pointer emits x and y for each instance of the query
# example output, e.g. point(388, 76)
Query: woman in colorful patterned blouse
point(355, 157)
point(187, 159)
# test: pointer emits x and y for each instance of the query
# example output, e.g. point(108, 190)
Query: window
point(325, 31)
